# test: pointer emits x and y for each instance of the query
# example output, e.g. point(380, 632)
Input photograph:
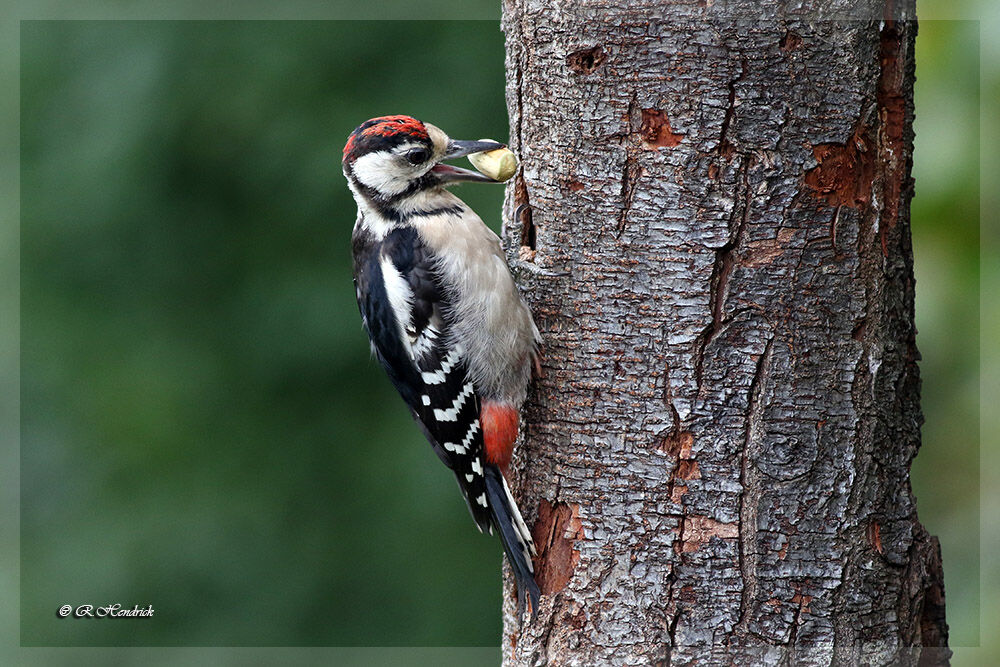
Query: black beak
point(449, 174)
point(463, 148)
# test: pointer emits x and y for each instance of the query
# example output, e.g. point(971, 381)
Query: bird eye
point(417, 155)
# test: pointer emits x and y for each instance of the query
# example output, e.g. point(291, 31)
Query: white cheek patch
point(386, 172)
point(381, 172)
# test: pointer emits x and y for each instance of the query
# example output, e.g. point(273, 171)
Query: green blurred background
point(202, 427)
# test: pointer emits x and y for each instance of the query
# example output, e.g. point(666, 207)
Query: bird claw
point(523, 267)
point(519, 211)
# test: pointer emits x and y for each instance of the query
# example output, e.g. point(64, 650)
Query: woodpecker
point(443, 314)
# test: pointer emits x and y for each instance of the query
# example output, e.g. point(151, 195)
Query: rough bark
point(716, 458)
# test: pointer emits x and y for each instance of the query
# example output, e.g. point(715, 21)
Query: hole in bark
point(677, 444)
point(875, 536)
point(790, 41)
point(557, 528)
point(631, 171)
point(859, 330)
point(688, 470)
point(656, 130)
point(844, 174)
point(933, 628)
point(586, 61)
point(528, 232)
point(802, 600)
point(576, 620)
point(523, 215)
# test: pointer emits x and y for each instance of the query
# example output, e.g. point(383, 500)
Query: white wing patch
point(400, 297)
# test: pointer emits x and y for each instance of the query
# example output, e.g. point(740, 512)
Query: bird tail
point(515, 536)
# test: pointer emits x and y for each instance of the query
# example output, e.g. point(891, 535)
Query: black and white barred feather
point(426, 367)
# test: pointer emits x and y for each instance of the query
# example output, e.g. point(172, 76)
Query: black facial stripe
point(451, 210)
point(386, 206)
point(373, 143)
point(426, 181)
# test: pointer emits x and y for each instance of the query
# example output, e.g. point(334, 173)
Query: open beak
point(449, 174)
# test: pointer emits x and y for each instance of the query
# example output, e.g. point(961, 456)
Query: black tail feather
point(516, 541)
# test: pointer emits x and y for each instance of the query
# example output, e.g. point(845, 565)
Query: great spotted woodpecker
point(443, 314)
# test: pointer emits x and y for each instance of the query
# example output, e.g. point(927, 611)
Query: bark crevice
point(630, 169)
point(726, 148)
point(750, 485)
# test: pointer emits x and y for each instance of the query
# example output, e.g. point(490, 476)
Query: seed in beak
point(499, 164)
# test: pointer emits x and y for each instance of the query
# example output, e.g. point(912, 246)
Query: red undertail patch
point(499, 424)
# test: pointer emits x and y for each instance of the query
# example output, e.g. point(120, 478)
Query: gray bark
point(716, 456)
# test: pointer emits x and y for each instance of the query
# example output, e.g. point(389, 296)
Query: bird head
point(389, 158)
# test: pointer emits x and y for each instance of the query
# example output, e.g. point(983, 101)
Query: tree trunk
point(716, 457)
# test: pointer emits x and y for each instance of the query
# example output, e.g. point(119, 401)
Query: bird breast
point(489, 315)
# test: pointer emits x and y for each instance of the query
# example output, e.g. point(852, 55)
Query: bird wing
point(405, 311)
